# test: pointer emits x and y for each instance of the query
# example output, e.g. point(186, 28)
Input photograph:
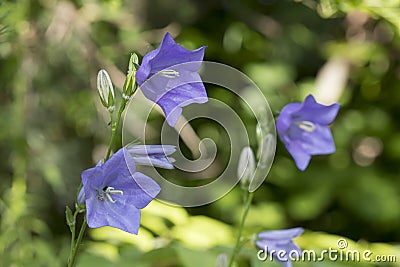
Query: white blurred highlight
point(332, 80)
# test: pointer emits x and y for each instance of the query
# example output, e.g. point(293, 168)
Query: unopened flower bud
point(81, 197)
point(106, 89)
point(133, 63)
point(130, 85)
point(69, 217)
point(246, 166)
point(265, 125)
point(222, 260)
point(266, 153)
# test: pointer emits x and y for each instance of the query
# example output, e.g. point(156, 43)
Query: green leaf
point(166, 255)
point(87, 259)
point(195, 258)
point(203, 232)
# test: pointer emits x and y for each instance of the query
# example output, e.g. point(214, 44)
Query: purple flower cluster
point(114, 192)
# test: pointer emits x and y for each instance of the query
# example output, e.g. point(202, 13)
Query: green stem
point(238, 245)
point(73, 228)
point(115, 126)
point(78, 242)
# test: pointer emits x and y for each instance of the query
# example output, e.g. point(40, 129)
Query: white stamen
point(111, 190)
point(307, 126)
point(168, 73)
point(110, 198)
point(108, 191)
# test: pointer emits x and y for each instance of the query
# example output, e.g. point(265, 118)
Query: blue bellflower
point(114, 193)
point(279, 244)
point(303, 128)
point(168, 76)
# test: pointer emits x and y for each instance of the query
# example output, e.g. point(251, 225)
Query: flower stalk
point(75, 245)
point(114, 127)
point(239, 242)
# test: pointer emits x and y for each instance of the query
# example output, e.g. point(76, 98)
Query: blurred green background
point(52, 125)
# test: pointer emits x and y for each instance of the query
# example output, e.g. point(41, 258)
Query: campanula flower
point(115, 193)
point(303, 128)
point(168, 76)
point(278, 244)
point(153, 155)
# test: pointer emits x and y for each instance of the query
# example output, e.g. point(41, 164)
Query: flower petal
point(139, 191)
point(301, 158)
point(173, 101)
point(284, 119)
point(161, 162)
point(158, 85)
point(105, 213)
point(168, 76)
point(81, 196)
point(92, 179)
point(281, 234)
point(291, 246)
point(318, 142)
point(315, 112)
point(166, 55)
point(273, 249)
point(121, 164)
point(152, 149)
point(145, 68)
point(279, 243)
point(171, 54)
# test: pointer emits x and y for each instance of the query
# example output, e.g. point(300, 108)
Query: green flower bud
point(246, 166)
point(70, 218)
point(133, 63)
point(222, 260)
point(106, 89)
point(264, 126)
point(266, 153)
point(130, 85)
